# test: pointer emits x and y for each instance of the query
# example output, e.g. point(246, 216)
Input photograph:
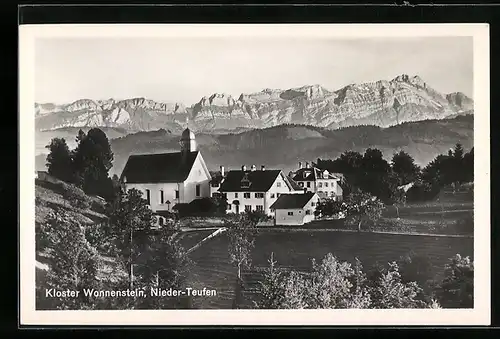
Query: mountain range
point(382, 103)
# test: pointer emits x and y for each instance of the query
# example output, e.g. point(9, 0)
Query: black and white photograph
point(328, 168)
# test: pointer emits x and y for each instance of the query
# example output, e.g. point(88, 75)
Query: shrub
point(76, 197)
point(197, 208)
point(465, 225)
point(456, 290)
point(421, 192)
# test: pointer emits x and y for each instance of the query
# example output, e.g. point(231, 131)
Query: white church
point(167, 179)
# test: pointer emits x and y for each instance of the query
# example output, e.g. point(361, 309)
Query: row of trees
point(339, 284)
point(371, 173)
point(87, 166)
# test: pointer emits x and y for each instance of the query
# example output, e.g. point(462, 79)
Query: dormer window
point(245, 183)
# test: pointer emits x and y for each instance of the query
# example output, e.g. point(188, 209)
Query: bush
point(256, 216)
point(421, 192)
point(456, 290)
point(76, 197)
point(203, 207)
point(465, 225)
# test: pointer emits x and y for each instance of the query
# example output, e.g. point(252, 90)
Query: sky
point(186, 69)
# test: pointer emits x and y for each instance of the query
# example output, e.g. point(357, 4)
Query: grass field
point(296, 249)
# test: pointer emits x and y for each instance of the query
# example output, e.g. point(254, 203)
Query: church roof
point(258, 181)
point(158, 168)
point(292, 201)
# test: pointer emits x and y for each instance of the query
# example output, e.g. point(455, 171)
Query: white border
point(480, 315)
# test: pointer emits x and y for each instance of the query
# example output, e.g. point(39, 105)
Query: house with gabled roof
point(167, 179)
point(295, 209)
point(255, 190)
point(312, 179)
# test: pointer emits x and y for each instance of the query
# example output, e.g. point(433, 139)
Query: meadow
point(212, 268)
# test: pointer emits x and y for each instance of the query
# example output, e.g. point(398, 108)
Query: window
point(236, 195)
point(197, 190)
point(148, 196)
point(278, 195)
point(308, 212)
point(326, 184)
point(301, 184)
point(259, 208)
point(176, 194)
point(308, 184)
point(290, 213)
point(259, 195)
point(312, 204)
point(248, 208)
point(320, 184)
point(161, 197)
point(278, 184)
point(228, 207)
point(245, 183)
point(246, 195)
point(272, 195)
point(160, 221)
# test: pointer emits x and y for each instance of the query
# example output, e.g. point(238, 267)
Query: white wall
point(333, 190)
point(199, 175)
point(299, 216)
point(168, 194)
point(279, 186)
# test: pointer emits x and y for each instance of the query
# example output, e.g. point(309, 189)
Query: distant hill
point(382, 103)
point(283, 146)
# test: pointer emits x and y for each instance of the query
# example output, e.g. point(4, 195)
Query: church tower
point(188, 141)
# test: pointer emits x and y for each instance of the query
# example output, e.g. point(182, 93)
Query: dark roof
point(313, 175)
point(260, 181)
point(163, 167)
point(295, 186)
point(299, 175)
point(289, 201)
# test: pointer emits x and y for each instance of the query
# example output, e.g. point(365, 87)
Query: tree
point(404, 167)
point(59, 162)
point(415, 267)
point(468, 166)
point(92, 160)
point(456, 290)
point(389, 291)
point(240, 231)
point(437, 172)
point(272, 287)
point(220, 201)
point(332, 285)
point(362, 207)
point(163, 263)
point(127, 215)
point(74, 261)
point(373, 174)
point(328, 207)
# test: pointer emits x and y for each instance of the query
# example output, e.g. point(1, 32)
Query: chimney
point(300, 165)
point(243, 168)
point(253, 168)
point(262, 168)
point(222, 170)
